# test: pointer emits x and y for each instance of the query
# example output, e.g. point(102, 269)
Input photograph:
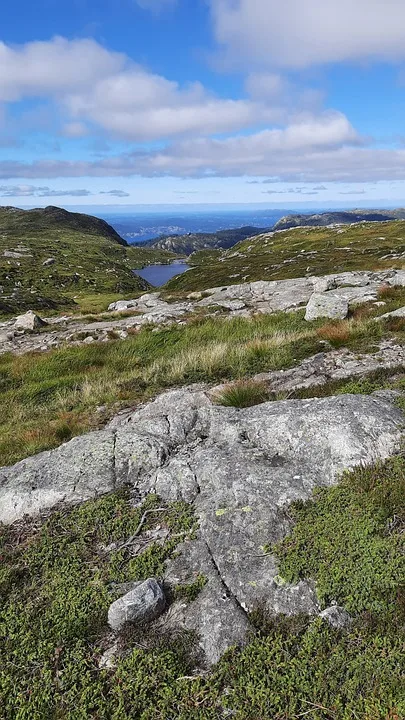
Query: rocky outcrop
point(329, 296)
point(240, 469)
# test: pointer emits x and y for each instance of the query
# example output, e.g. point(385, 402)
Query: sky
point(182, 102)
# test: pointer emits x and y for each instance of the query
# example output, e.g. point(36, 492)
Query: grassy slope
point(90, 259)
point(56, 581)
point(299, 252)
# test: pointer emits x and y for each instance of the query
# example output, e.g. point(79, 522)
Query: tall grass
point(46, 398)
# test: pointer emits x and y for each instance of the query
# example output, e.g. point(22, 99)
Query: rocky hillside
point(193, 242)
point(50, 257)
point(338, 217)
point(215, 526)
point(298, 252)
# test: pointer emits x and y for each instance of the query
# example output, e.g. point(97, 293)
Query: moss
point(55, 591)
point(190, 591)
point(350, 540)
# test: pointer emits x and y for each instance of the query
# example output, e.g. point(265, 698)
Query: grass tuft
point(245, 393)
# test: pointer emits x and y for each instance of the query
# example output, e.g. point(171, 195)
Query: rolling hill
point(51, 258)
point(298, 252)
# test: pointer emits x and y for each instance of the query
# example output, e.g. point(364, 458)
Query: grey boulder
point(326, 305)
point(141, 605)
point(240, 469)
point(29, 321)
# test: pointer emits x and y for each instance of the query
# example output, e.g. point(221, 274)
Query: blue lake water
point(158, 275)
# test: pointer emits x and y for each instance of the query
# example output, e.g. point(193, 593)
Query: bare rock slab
point(326, 305)
point(141, 605)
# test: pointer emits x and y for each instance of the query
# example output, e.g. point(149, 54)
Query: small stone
point(48, 261)
point(142, 604)
point(337, 617)
point(108, 659)
point(89, 340)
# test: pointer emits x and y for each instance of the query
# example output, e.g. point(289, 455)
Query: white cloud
point(55, 67)
point(75, 130)
point(312, 149)
point(265, 85)
point(300, 33)
point(33, 191)
point(91, 84)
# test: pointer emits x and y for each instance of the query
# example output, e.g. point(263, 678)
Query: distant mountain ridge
point(226, 239)
point(343, 217)
point(192, 242)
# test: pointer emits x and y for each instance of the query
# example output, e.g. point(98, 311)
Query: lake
point(158, 275)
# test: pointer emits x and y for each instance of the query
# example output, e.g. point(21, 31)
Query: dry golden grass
point(336, 333)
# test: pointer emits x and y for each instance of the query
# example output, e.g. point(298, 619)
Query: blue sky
point(125, 102)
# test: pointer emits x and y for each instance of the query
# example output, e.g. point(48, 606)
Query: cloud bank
point(297, 34)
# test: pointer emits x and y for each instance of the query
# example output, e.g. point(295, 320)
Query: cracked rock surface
point(240, 468)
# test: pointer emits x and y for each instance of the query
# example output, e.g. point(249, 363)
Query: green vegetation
point(89, 259)
point(46, 398)
point(57, 579)
point(350, 539)
point(299, 252)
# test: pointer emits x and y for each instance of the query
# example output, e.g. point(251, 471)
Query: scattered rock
point(397, 279)
point(337, 617)
point(400, 313)
point(142, 604)
point(326, 305)
point(49, 261)
point(16, 255)
point(29, 321)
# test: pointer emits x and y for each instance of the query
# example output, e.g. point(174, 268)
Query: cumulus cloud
point(33, 191)
point(91, 84)
point(297, 34)
point(312, 149)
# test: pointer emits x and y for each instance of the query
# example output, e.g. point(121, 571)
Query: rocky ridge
point(329, 296)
